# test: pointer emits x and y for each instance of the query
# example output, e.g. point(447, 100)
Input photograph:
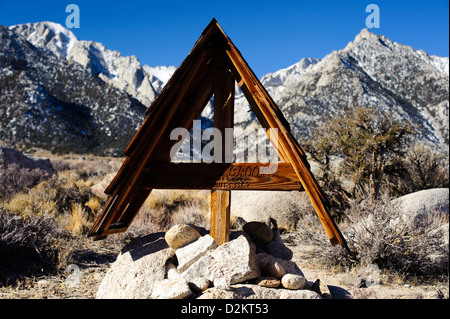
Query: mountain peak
point(42, 27)
point(365, 34)
point(51, 35)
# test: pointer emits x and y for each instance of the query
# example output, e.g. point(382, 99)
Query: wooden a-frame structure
point(211, 68)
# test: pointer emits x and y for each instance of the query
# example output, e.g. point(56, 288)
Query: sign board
point(212, 68)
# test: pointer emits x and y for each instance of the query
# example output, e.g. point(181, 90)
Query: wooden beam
point(220, 176)
point(220, 216)
point(223, 118)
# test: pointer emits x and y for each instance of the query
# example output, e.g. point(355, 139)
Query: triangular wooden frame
point(213, 58)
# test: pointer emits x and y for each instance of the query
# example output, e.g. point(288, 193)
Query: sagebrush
point(377, 233)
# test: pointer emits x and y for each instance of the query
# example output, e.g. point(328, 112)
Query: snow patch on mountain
point(160, 75)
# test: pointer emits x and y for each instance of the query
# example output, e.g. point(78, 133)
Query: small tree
point(426, 167)
point(371, 143)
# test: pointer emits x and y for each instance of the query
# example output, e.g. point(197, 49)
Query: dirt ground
point(82, 279)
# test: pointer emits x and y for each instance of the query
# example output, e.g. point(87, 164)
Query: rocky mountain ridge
point(51, 103)
point(371, 70)
point(101, 104)
point(125, 73)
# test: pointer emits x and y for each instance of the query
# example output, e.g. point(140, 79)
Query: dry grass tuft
point(77, 223)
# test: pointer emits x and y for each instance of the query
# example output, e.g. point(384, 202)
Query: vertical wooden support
point(223, 118)
point(220, 216)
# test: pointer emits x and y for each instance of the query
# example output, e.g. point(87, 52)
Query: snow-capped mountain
point(47, 102)
point(371, 70)
point(61, 93)
point(125, 73)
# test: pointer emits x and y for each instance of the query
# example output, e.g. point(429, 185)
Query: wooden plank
point(220, 220)
point(223, 118)
point(220, 176)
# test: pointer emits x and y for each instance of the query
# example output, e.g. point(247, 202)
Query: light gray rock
point(181, 235)
point(217, 293)
point(294, 282)
point(222, 282)
point(248, 291)
point(234, 259)
point(137, 268)
point(192, 252)
point(198, 269)
point(236, 234)
point(419, 204)
point(175, 288)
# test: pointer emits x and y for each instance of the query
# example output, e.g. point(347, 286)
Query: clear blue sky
point(270, 34)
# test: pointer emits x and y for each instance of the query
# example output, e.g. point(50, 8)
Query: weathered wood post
point(223, 118)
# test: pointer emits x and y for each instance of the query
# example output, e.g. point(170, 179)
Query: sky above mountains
point(270, 34)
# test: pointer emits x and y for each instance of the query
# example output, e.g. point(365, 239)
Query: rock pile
point(186, 262)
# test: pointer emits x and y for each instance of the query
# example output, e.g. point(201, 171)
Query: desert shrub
point(19, 172)
point(66, 197)
point(35, 202)
point(372, 144)
point(191, 213)
point(28, 246)
point(77, 220)
point(87, 166)
point(425, 167)
point(383, 237)
point(164, 209)
point(143, 224)
point(15, 179)
point(379, 235)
